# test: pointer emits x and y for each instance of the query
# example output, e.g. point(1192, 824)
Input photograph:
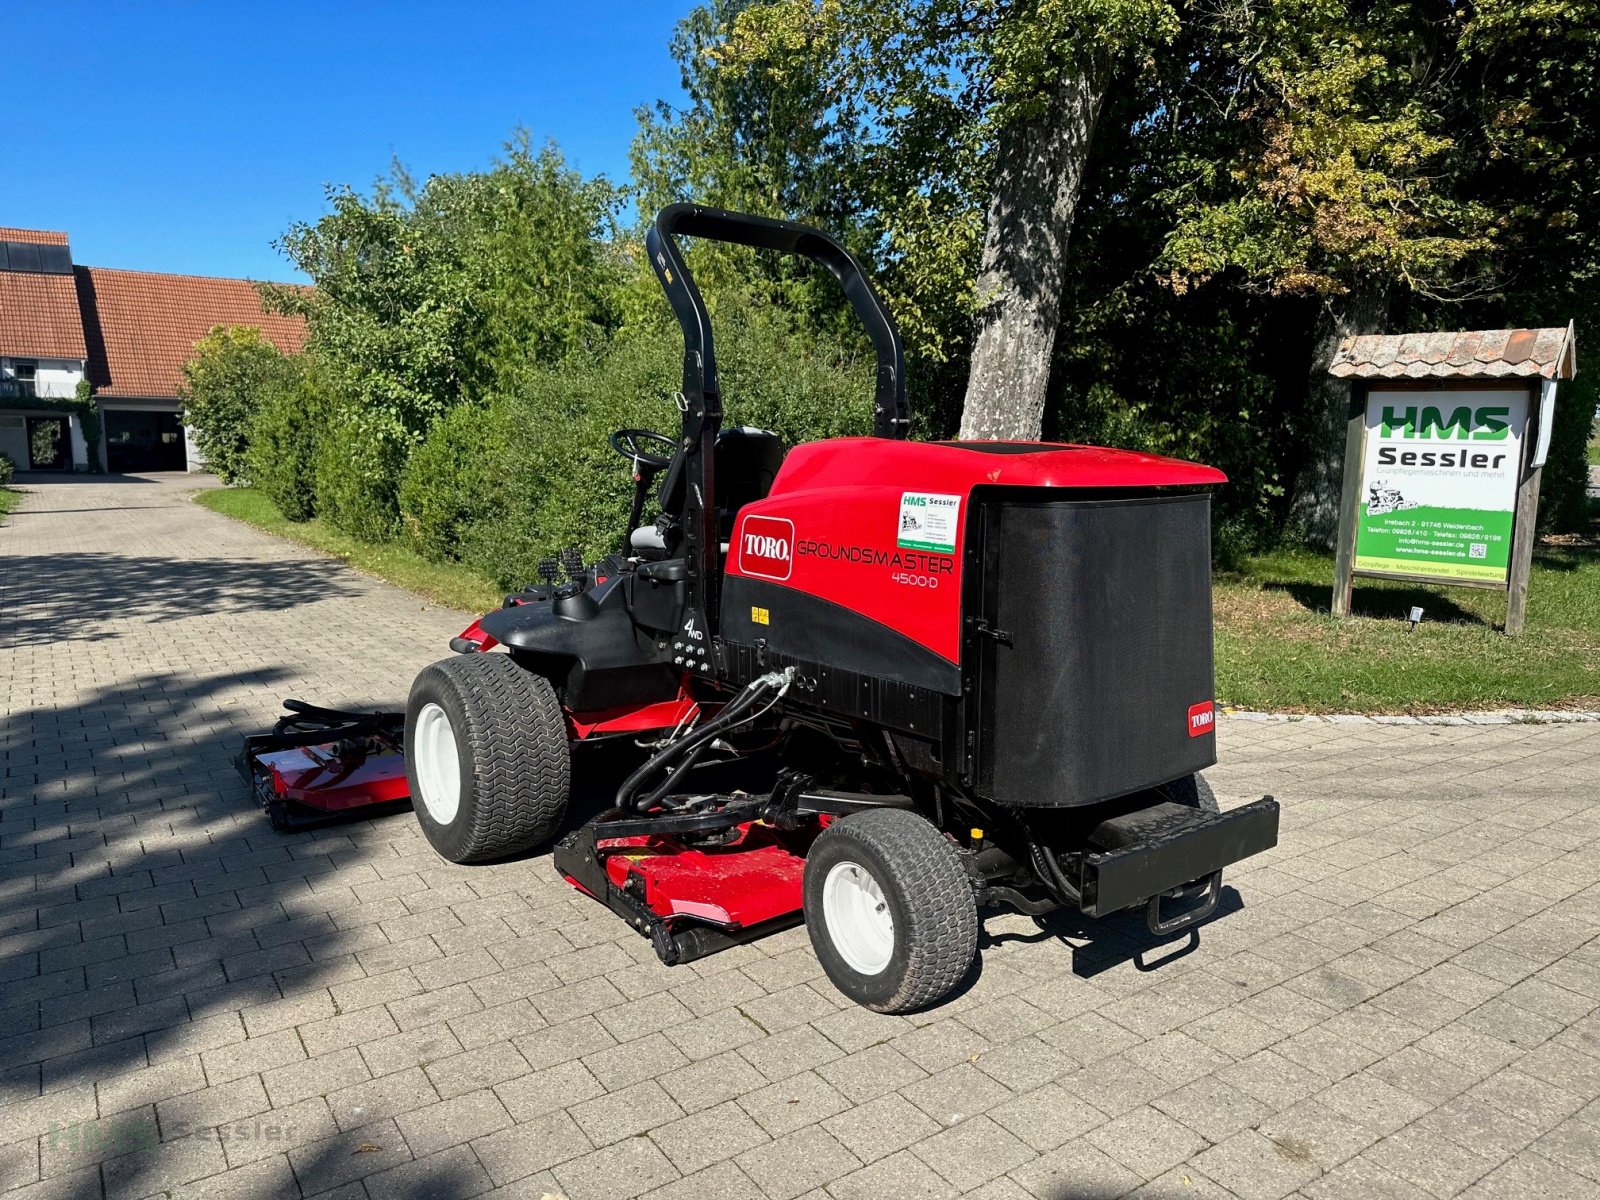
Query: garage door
point(144, 441)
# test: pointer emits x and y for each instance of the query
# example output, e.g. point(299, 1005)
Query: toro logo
point(766, 547)
point(1202, 717)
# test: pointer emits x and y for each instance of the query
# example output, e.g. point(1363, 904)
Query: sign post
point(1443, 454)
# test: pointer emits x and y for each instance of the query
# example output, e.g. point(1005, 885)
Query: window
point(27, 374)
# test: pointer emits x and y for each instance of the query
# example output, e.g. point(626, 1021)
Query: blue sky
point(185, 137)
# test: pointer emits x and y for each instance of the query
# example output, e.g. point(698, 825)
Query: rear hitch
point(1193, 916)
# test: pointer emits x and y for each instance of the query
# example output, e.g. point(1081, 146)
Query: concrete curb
point(1503, 716)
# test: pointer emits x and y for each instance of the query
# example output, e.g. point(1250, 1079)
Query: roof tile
point(39, 237)
point(1485, 353)
point(148, 325)
point(39, 316)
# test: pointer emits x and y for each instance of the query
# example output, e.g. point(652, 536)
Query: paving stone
point(250, 1139)
point(800, 1100)
point(415, 1047)
point(646, 1058)
point(475, 1069)
point(386, 1096)
point(1147, 1141)
point(725, 1181)
point(455, 1172)
point(1076, 1169)
point(252, 1057)
point(323, 1165)
point(707, 1137)
point(901, 1176)
point(133, 1089)
point(161, 1168)
point(616, 1172)
point(956, 1093)
point(711, 1081)
point(797, 1162)
point(1255, 1167)
point(532, 1145)
point(623, 1114)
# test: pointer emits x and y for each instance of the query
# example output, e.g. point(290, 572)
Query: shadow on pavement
point(150, 589)
point(1101, 943)
point(147, 912)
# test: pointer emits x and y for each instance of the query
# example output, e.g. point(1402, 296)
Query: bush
point(283, 437)
point(8, 470)
point(359, 457)
point(456, 481)
point(563, 485)
point(232, 371)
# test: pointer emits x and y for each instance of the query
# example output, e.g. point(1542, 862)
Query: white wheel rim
point(438, 764)
point(858, 918)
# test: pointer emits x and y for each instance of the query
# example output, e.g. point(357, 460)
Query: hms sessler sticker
point(929, 522)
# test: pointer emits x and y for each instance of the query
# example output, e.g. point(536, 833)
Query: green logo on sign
point(1480, 424)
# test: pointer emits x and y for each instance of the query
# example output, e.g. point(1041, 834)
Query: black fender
point(589, 647)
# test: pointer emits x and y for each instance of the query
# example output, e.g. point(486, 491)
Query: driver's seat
point(746, 464)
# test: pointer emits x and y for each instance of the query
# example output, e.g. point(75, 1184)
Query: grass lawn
point(1278, 649)
point(443, 583)
point(1594, 447)
point(9, 498)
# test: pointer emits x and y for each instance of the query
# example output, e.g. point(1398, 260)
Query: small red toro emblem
point(1202, 717)
point(766, 547)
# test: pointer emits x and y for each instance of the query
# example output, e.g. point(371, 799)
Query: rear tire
point(1191, 790)
point(890, 910)
point(486, 757)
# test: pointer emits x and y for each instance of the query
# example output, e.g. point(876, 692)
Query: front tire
point(890, 910)
point(486, 757)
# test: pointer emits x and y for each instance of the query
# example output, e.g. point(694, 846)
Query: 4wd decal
point(766, 547)
point(929, 522)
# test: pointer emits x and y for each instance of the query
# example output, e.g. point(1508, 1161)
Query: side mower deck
point(320, 765)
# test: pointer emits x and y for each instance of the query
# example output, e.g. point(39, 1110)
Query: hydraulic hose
point(690, 745)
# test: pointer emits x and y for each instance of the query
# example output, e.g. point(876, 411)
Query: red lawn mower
point(982, 669)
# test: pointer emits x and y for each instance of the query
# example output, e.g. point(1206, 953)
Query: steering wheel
point(627, 442)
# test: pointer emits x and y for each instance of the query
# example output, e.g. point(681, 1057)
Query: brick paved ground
point(1403, 1002)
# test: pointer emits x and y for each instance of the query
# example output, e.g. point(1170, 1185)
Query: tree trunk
point(1039, 172)
point(1314, 504)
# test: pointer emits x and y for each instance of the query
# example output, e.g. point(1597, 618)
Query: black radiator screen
point(1095, 676)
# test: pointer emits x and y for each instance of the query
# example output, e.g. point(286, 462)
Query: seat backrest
point(747, 463)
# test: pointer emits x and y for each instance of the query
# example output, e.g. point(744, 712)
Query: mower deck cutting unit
point(320, 765)
point(984, 669)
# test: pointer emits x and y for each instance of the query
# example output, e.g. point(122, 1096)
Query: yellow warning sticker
point(760, 616)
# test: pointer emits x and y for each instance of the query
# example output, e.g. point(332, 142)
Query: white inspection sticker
point(929, 522)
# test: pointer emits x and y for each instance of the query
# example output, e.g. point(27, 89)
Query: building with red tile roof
point(148, 323)
point(128, 332)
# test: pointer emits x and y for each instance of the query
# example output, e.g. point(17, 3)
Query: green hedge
point(502, 486)
point(283, 434)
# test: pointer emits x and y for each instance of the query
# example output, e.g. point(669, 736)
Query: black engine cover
point(1091, 646)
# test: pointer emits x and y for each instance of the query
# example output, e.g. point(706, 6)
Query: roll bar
point(701, 401)
point(892, 416)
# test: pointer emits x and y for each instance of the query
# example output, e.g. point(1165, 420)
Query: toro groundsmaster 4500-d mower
point(982, 668)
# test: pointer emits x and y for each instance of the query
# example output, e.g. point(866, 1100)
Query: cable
point(733, 714)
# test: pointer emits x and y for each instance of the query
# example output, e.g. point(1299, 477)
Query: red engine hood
point(958, 467)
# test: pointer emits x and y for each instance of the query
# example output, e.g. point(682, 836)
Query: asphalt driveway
point(1401, 1001)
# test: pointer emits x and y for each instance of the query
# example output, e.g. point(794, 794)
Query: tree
point(426, 295)
point(232, 370)
point(987, 107)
